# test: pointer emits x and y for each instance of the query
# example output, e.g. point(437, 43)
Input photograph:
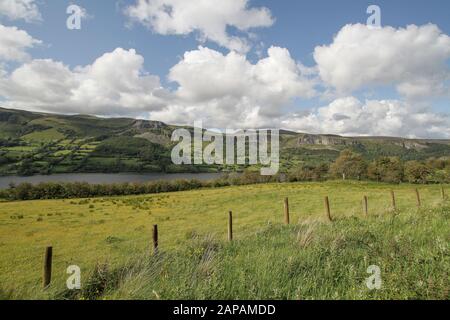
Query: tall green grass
point(309, 260)
point(110, 239)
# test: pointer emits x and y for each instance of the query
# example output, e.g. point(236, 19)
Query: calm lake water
point(97, 178)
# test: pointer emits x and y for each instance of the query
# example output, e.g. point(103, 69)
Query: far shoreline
point(107, 178)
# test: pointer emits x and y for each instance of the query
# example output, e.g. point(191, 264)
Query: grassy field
point(309, 259)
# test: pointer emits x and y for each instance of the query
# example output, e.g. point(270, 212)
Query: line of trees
point(351, 165)
point(52, 190)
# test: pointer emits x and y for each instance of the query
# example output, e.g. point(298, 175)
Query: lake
point(99, 178)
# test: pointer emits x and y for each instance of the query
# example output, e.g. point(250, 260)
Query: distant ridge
point(35, 142)
point(160, 123)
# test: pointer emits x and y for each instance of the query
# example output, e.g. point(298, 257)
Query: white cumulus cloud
point(351, 117)
point(209, 18)
point(228, 90)
point(14, 43)
point(115, 84)
point(414, 59)
point(20, 10)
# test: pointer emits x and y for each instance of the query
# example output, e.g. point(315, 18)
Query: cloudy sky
point(309, 66)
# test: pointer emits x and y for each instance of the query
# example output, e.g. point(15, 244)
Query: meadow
point(111, 240)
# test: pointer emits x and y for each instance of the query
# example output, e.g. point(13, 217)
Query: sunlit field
point(311, 258)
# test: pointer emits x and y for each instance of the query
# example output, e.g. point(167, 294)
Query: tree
point(309, 172)
point(320, 172)
point(118, 165)
point(349, 165)
point(386, 169)
point(439, 176)
point(416, 172)
point(438, 164)
point(26, 167)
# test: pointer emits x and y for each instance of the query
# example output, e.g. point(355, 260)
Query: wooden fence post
point(327, 208)
point(366, 206)
point(230, 226)
point(286, 211)
point(419, 201)
point(394, 204)
point(155, 239)
point(48, 257)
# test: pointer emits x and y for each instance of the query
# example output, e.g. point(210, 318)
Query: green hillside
point(33, 143)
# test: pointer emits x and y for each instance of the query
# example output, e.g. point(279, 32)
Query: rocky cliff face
point(411, 144)
point(333, 140)
point(327, 140)
point(143, 125)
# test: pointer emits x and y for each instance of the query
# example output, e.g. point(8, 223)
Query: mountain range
point(32, 143)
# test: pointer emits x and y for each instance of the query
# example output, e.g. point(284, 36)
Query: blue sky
point(299, 27)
